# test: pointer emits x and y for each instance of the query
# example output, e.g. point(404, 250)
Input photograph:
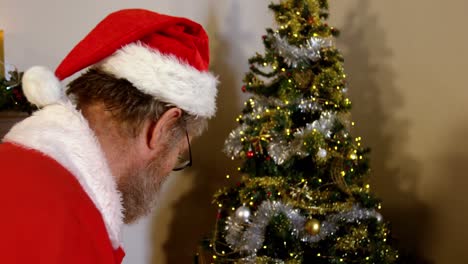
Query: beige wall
point(406, 62)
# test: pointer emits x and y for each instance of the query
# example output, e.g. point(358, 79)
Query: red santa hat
point(163, 56)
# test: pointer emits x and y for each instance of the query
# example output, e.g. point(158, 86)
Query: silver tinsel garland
point(253, 260)
point(293, 55)
point(248, 236)
point(233, 145)
point(330, 225)
point(278, 147)
point(260, 104)
point(324, 125)
point(280, 150)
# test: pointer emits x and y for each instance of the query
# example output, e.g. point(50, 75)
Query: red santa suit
point(60, 202)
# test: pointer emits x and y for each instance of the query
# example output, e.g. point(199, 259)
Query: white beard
point(140, 191)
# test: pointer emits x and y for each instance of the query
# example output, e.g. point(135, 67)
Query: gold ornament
point(312, 226)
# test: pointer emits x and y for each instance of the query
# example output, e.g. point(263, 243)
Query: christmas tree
point(302, 194)
point(12, 97)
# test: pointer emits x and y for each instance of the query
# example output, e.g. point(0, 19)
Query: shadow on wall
point(451, 197)
point(194, 216)
point(395, 174)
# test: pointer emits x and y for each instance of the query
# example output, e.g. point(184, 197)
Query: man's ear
point(159, 130)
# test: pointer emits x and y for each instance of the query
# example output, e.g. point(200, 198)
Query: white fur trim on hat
point(165, 77)
point(41, 87)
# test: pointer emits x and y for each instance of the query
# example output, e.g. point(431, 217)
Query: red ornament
point(269, 194)
point(264, 37)
point(17, 94)
point(244, 88)
point(311, 20)
point(218, 215)
point(250, 154)
point(268, 158)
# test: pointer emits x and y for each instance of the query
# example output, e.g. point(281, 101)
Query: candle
point(2, 57)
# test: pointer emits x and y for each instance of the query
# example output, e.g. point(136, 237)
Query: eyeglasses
point(182, 161)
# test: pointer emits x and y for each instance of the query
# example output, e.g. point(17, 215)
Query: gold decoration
point(268, 260)
point(314, 7)
point(351, 241)
point(312, 226)
point(303, 79)
point(338, 173)
point(297, 195)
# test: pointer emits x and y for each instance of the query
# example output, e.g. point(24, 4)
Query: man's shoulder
point(30, 178)
point(44, 207)
point(18, 159)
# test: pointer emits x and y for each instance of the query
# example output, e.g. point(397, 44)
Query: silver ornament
point(322, 153)
point(243, 213)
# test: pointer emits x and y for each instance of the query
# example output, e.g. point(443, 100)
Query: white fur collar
point(62, 133)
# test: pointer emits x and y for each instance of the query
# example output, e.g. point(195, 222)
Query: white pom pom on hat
point(41, 87)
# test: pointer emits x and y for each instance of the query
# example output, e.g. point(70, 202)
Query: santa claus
point(95, 154)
